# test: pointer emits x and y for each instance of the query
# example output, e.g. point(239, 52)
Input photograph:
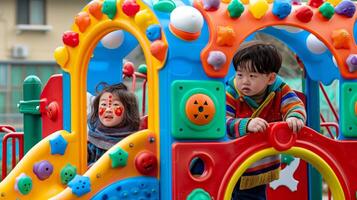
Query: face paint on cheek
point(101, 111)
point(118, 111)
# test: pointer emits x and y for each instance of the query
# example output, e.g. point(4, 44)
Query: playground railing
point(10, 132)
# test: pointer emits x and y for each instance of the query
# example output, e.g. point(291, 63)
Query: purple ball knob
point(211, 5)
point(352, 62)
point(346, 8)
point(43, 169)
point(216, 59)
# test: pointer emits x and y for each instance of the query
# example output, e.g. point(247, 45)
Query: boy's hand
point(295, 124)
point(257, 125)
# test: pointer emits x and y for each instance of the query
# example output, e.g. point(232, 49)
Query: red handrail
point(10, 133)
point(329, 102)
point(133, 82)
point(331, 124)
point(7, 129)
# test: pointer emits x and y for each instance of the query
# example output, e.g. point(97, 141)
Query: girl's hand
point(257, 125)
point(295, 124)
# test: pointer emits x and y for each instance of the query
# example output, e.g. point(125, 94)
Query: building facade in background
point(30, 31)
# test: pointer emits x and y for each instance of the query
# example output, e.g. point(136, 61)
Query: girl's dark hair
point(131, 117)
point(257, 56)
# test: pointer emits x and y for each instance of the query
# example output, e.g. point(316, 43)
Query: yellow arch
point(74, 60)
point(320, 164)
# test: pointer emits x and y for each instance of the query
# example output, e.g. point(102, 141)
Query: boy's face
point(253, 83)
point(111, 110)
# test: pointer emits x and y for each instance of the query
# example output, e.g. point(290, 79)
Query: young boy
point(256, 96)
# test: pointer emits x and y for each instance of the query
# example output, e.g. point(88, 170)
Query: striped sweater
point(280, 103)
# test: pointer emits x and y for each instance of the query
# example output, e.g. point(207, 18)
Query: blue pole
point(313, 121)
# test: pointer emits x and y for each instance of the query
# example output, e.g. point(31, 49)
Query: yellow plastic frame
point(311, 157)
point(77, 66)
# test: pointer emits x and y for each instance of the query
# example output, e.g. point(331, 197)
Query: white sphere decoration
point(113, 39)
point(290, 29)
point(187, 18)
point(315, 45)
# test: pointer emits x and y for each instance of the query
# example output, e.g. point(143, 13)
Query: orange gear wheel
point(200, 109)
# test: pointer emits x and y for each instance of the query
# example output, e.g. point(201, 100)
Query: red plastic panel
point(51, 105)
point(226, 158)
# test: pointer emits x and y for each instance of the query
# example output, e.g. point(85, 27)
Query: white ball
point(187, 18)
point(315, 45)
point(290, 29)
point(113, 39)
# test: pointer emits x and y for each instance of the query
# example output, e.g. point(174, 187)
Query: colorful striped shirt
point(280, 103)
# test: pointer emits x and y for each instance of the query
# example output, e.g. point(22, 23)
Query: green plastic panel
point(348, 115)
point(182, 127)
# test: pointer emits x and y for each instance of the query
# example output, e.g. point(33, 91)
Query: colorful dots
point(95, 9)
point(216, 59)
point(258, 8)
point(43, 169)
point(70, 38)
point(211, 5)
point(158, 49)
point(23, 184)
point(304, 14)
point(235, 9)
point(58, 144)
point(327, 10)
point(352, 63)
point(315, 3)
point(341, 39)
point(143, 18)
point(281, 8)
point(119, 157)
point(225, 36)
point(61, 56)
point(153, 32)
point(109, 8)
point(82, 20)
point(146, 163)
point(164, 6)
point(68, 173)
point(130, 7)
point(334, 2)
point(346, 8)
point(80, 185)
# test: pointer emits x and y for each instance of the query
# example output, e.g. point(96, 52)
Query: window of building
point(11, 84)
point(31, 12)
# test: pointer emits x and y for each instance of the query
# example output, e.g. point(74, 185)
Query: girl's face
point(111, 110)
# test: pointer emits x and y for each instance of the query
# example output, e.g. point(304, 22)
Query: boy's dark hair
point(131, 115)
point(257, 56)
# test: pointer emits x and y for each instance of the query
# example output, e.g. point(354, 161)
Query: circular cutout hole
point(181, 88)
point(197, 167)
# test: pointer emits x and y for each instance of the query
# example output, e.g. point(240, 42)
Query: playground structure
point(154, 162)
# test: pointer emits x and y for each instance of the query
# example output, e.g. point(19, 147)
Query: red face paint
point(118, 111)
point(101, 111)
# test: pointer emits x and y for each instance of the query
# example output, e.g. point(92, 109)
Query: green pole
point(30, 107)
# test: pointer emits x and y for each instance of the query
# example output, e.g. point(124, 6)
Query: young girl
point(114, 116)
